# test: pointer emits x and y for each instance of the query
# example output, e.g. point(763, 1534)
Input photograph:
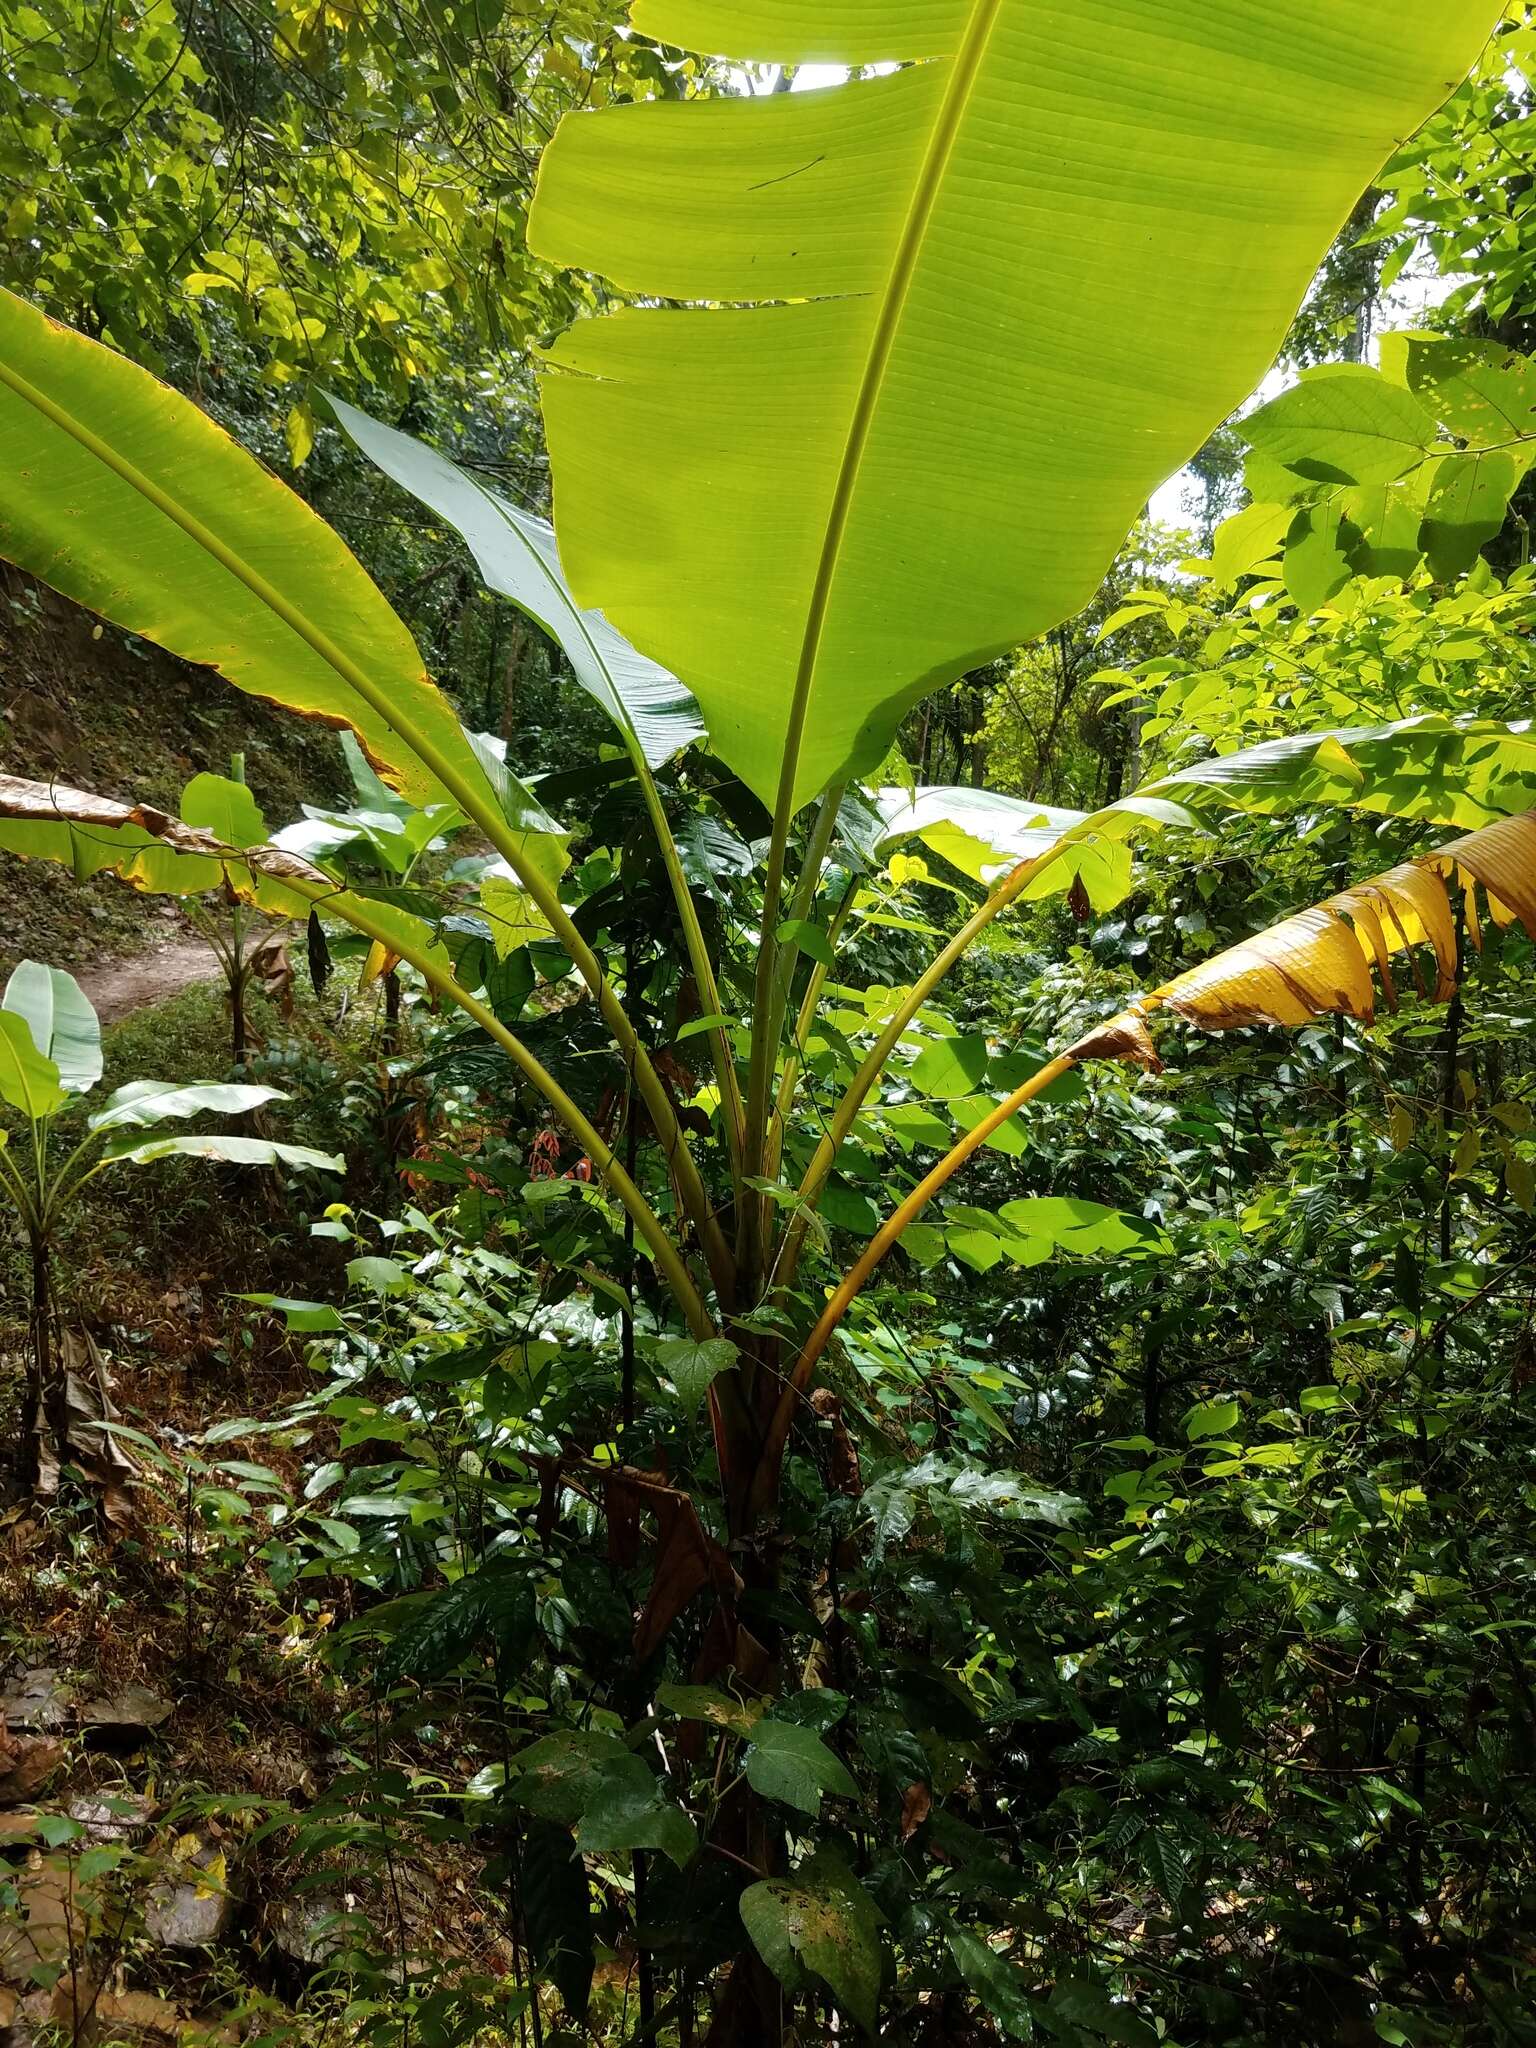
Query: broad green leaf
point(1388, 518)
point(556, 1776)
point(978, 1249)
point(923, 1243)
point(808, 938)
point(974, 829)
point(394, 837)
point(823, 1921)
point(1078, 2001)
point(379, 1276)
point(65, 1028)
point(1001, 1985)
point(492, 1606)
point(123, 495)
point(1319, 556)
point(298, 1316)
point(372, 794)
point(621, 1817)
point(557, 1906)
point(806, 31)
point(1010, 1070)
point(1484, 393)
point(1211, 1418)
point(514, 918)
point(999, 297)
point(792, 1764)
point(712, 856)
point(1344, 424)
point(705, 1703)
point(846, 1207)
point(1007, 1494)
point(591, 1779)
point(912, 1123)
point(1246, 539)
point(1009, 1138)
point(1467, 507)
point(517, 557)
point(692, 1366)
point(224, 807)
point(142, 1103)
point(950, 1066)
point(540, 838)
point(232, 1151)
point(94, 835)
point(702, 1024)
point(322, 835)
point(1090, 1229)
point(29, 1080)
point(1446, 771)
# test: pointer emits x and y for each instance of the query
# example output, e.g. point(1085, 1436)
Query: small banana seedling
point(381, 841)
point(50, 1056)
point(250, 950)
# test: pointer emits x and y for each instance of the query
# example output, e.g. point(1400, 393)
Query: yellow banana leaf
point(1321, 961)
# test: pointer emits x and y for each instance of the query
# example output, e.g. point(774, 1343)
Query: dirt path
point(120, 987)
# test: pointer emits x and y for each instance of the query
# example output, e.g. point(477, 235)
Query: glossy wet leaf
point(692, 1366)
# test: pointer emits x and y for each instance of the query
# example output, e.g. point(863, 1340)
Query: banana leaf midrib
point(966, 64)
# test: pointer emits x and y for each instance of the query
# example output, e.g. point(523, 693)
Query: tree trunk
point(391, 1014)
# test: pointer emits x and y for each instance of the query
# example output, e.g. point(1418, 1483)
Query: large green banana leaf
point(1443, 771)
point(122, 494)
point(974, 312)
point(64, 1027)
point(29, 1080)
point(984, 835)
point(517, 557)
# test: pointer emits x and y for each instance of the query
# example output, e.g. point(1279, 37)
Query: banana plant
point(382, 838)
point(50, 1058)
point(1316, 963)
point(224, 806)
point(1001, 292)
